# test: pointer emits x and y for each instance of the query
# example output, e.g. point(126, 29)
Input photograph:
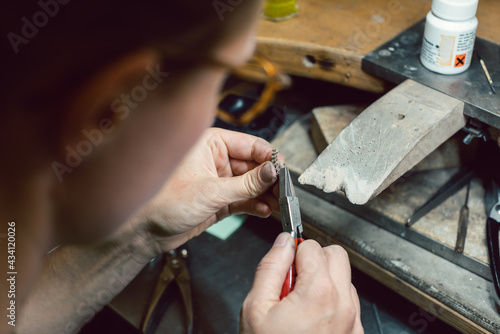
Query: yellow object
point(275, 81)
point(280, 10)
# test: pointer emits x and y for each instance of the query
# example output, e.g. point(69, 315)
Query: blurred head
point(103, 98)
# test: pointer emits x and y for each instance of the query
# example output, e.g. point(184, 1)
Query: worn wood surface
point(385, 141)
point(397, 203)
point(329, 38)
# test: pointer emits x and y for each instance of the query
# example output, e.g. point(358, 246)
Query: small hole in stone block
point(401, 116)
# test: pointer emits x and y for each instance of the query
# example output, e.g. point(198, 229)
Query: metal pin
point(486, 73)
point(377, 318)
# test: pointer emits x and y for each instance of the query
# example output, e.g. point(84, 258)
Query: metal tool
point(463, 222)
point(492, 203)
point(377, 318)
point(174, 271)
point(290, 218)
point(475, 129)
point(449, 188)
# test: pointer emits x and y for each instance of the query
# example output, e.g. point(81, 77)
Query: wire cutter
point(291, 221)
point(492, 202)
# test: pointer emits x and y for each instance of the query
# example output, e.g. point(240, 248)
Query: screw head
point(176, 263)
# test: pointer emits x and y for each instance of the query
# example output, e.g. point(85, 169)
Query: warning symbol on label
point(460, 60)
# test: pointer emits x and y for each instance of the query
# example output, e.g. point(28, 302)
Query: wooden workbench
point(329, 38)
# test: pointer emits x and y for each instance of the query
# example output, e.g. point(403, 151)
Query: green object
point(280, 10)
point(226, 227)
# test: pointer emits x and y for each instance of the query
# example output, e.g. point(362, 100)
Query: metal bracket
point(475, 129)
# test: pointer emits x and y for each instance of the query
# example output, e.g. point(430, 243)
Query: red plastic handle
point(289, 282)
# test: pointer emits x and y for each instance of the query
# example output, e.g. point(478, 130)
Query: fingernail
point(267, 172)
point(282, 239)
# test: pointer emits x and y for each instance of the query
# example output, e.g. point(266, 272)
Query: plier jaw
point(291, 221)
point(289, 205)
point(492, 204)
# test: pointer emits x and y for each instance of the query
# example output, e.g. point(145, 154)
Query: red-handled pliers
point(291, 221)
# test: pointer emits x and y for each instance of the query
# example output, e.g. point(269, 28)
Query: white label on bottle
point(446, 50)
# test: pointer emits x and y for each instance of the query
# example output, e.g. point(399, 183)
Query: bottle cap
point(455, 10)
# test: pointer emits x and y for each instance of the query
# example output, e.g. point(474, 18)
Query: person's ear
point(91, 108)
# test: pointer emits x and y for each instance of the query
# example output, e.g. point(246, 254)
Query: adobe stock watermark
point(420, 320)
point(222, 6)
point(122, 107)
point(30, 27)
point(372, 28)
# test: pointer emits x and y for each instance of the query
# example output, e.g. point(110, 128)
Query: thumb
point(273, 268)
point(249, 185)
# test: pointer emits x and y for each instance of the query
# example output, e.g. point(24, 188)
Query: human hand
point(323, 299)
point(225, 173)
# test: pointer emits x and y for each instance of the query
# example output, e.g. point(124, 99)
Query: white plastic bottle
point(450, 31)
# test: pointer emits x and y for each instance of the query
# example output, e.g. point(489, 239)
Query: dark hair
point(90, 34)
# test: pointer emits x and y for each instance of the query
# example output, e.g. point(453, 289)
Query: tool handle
point(290, 276)
point(463, 221)
point(492, 227)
